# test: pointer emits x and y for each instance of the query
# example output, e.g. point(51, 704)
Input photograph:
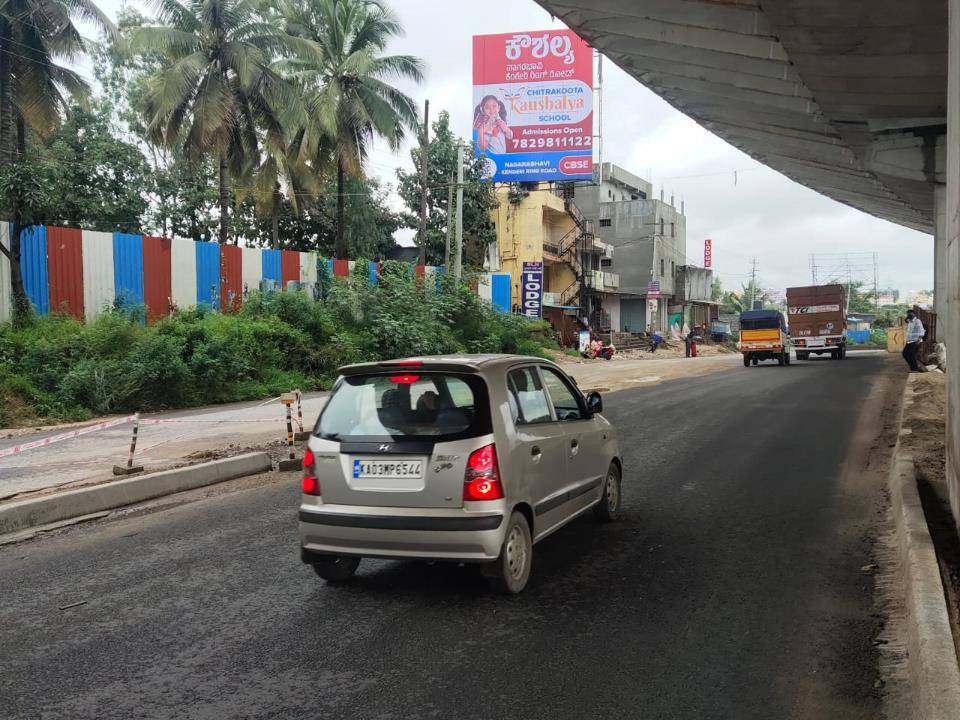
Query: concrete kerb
point(108, 496)
point(933, 665)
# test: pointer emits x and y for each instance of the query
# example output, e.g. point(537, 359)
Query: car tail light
point(310, 484)
point(404, 379)
point(402, 363)
point(482, 479)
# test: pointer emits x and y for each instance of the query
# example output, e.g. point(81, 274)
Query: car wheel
point(802, 356)
point(787, 357)
point(746, 361)
point(609, 506)
point(509, 572)
point(335, 568)
point(781, 361)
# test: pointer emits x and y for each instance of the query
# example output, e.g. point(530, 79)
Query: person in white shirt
point(914, 334)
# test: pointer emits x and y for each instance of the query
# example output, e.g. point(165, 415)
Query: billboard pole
point(458, 246)
point(599, 92)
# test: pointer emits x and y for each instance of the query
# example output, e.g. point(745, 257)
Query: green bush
point(58, 368)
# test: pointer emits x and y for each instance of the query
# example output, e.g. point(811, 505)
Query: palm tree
point(346, 80)
point(219, 94)
point(35, 91)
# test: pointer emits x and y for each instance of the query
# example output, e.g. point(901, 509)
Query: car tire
point(786, 357)
point(781, 360)
point(746, 361)
point(335, 568)
point(802, 356)
point(608, 509)
point(509, 573)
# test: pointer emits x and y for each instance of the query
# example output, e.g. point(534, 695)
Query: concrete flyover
point(859, 100)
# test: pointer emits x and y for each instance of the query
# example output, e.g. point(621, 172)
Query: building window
point(673, 268)
point(661, 227)
point(605, 222)
point(673, 230)
point(609, 193)
point(606, 262)
point(661, 267)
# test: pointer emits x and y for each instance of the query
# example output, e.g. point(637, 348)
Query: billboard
point(531, 289)
point(533, 106)
point(708, 253)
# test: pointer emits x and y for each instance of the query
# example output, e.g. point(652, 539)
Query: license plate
point(387, 469)
point(815, 343)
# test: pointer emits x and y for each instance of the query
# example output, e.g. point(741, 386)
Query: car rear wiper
point(330, 436)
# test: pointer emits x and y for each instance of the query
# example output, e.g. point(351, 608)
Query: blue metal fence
point(208, 274)
point(128, 269)
point(33, 266)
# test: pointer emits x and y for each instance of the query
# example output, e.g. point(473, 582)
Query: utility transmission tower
point(862, 268)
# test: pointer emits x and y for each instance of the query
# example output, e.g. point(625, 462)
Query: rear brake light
point(404, 379)
point(402, 363)
point(482, 478)
point(310, 485)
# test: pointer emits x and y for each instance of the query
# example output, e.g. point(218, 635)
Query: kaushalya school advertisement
point(533, 106)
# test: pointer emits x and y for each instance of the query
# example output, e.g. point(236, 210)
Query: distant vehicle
point(466, 458)
point(818, 320)
point(764, 336)
point(720, 331)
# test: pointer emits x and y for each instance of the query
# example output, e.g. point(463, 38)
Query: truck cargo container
point(818, 320)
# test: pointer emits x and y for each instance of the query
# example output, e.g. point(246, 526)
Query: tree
point(716, 289)
point(734, 302)
point(218, 91)
point(350, 100)
point(478, 196)
point(34, 92)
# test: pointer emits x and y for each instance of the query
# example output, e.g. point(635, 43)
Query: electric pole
point(424, 157)
point(753, 283)
point(449, 238)
point(458, 246)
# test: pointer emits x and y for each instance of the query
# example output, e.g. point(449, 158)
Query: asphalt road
point(732, 588)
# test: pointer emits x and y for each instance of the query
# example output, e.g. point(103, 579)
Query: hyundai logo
point(384, 448)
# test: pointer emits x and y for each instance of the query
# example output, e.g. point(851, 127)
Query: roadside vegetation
point(59, 369)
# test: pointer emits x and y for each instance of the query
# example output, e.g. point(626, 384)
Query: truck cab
point(818, 320)
point(764, 336)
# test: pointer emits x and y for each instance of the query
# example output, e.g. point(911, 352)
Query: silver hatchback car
point(468, 458)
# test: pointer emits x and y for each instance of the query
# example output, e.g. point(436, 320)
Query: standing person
point(690, 343)
point(914, 334)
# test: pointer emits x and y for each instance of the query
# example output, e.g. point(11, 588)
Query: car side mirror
point(594, 403)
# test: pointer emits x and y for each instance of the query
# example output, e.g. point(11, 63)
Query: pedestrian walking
point(915, 332)
point(690, 343)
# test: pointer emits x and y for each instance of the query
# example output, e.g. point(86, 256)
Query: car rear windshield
point(428, 405)
point(771, 323)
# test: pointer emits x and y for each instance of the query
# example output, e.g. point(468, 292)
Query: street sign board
point(708, 253)
point(653, 289)
point(532, 290)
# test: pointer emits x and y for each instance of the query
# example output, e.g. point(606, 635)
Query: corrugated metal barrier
point(86, 273)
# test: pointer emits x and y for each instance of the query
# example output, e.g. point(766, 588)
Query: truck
point(763, 336)
point(817, 317)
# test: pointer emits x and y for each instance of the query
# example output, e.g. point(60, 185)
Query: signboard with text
point(533, 106)
point(708, 253)
point(531, 290)
point(653, 289)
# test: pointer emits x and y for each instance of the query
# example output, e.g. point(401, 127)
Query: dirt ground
point(923, 436)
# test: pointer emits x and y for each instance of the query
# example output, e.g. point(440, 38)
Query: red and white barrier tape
point(17, 449)
point(178, 421)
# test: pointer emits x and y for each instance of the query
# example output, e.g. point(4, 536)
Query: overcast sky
point(747, 209)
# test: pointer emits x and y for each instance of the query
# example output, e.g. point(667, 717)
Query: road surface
point(732, 588)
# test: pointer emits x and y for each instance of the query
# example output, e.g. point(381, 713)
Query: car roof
point(477, 363)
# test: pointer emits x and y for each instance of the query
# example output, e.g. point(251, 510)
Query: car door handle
point(574, 447)
point(535, 453)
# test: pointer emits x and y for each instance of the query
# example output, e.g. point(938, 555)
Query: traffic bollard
point(301, 434)
point(291, 463)
point(130, 468)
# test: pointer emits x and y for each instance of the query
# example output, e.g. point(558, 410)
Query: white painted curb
point(85, 501)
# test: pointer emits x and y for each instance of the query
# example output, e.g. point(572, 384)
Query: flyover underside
point(847, 98)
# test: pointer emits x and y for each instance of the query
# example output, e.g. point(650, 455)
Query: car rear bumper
point(439, 535)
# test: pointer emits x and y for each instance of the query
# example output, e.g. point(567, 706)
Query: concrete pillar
point(951, 324)
point(940, 257)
